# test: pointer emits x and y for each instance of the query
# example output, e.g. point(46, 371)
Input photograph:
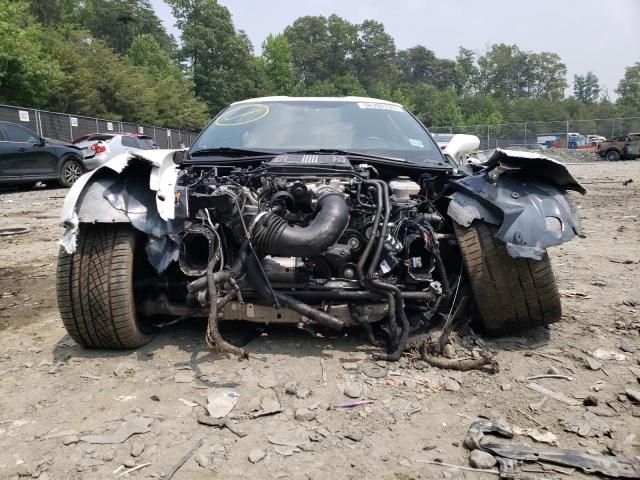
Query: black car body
point(337, 211)
point(26, 158)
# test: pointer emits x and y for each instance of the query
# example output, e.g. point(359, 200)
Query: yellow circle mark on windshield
point(242, 115)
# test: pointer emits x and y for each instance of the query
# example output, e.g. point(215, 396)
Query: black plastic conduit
point(272, 235)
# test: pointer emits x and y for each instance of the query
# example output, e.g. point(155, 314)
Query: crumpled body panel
point(130, 188)
point(526, 196)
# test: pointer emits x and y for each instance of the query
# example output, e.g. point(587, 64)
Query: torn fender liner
point(130, 188)
point(535, 165)
point(464, 210)
point(619, 467)
point(532, 207)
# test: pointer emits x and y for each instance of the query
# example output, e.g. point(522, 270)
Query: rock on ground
point(480, 459)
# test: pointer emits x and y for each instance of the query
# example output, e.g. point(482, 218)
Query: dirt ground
point(52, 392)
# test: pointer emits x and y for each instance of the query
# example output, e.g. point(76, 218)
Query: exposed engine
point(316, 237)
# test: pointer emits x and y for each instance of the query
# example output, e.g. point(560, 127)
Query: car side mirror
point(40, 143)
point(179, 156)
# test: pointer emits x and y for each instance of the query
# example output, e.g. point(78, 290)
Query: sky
point(602, 36)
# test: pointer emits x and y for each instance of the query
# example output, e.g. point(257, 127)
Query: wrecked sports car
point(341, 212)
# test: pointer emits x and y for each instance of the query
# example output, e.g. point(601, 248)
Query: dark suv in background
point(26, 158)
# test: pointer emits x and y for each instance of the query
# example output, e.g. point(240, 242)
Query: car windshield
point(95, 137)
point(368, 127)
point(146, 143)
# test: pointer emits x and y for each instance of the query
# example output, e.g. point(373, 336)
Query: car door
point(8, 171)
point(632, 147)
point(33, 159)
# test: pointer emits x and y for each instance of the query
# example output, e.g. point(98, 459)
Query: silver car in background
point(98, 148)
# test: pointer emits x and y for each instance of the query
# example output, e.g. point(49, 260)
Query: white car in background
point(442, 139)
point(98, 148)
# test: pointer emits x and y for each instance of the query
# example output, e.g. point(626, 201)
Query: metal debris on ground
point(560, 397)
point(353, 404)
point(8, 232)
point(184, 459)
point(221, 423)
point(617, 466)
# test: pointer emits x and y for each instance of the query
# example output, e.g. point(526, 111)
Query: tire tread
point(511, 294)
point(95, 288)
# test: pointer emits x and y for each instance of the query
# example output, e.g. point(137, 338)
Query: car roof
point(13, 123)
point(124, 134)
point(316, 99)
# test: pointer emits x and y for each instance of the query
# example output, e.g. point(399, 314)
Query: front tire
point(512, 294)
point(95, 288)
point(70, 172)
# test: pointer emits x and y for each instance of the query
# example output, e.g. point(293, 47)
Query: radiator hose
point(272, 235)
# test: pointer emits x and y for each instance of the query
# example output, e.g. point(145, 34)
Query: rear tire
point(613, 155)
point(512, 294)
point(70, 172)
point(95, 288)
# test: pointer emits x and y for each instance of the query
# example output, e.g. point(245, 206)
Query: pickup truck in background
point(626, 147)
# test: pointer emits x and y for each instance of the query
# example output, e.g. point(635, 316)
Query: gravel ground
point(565, 155)
point(56, 395)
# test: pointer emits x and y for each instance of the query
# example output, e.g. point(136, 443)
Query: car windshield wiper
point(346, 153)
point(229, 152)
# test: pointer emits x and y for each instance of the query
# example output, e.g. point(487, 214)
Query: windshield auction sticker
point(379, 106)
point(242, 115)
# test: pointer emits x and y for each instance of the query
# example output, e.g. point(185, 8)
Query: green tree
point(434, 107)
point(420, 65)
point(276, 53)
point(219, 59)
point(52, 12)
point(478, 109)
point(504, 71)
point(179, 109)
point(629, 90)
point(508, 72)
point(145, 51)
point(27, 76)
point(118, 22)
point(466, 72)
point(586, 87)
point(548, 76)
point(374, 55)
point(321, 48)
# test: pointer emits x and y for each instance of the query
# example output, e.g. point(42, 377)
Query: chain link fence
point(67, 128)
point(560, 134)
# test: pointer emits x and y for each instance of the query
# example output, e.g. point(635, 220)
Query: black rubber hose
point(258, 282)
point(385, 225)
point(374, 232)
point(213, 334)
point(272, 234)
point(393, 291)
point(236, 270)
